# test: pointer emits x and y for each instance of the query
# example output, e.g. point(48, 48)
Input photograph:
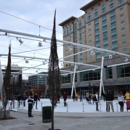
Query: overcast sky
point(40, 12)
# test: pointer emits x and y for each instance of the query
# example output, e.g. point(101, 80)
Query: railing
point(72, 106)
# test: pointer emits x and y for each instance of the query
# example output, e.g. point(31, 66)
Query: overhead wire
point(28, 21)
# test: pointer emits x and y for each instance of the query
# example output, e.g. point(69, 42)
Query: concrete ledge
point(2, 113)
point(83, 114)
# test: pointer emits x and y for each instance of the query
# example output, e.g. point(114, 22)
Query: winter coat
point(127, 96)
point(65, 96)
point(36, 98)
point(109, 96)
point(121, 98)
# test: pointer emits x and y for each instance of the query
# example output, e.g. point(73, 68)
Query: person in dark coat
point(73, 96)
point(96, 100)
point(36, 98)
point(109, 101)
point(18, 99)
point(24, 99)
point(65, 98)
point(30, 106)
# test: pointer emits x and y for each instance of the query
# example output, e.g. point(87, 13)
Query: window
point(123, 29)
point(104, 17)
point(90, 58)
point(89, 24)
point(120, 2)
point(98, 55)
point(64, 31)
point(112, 14)
point(124, 43)
point(97, 31)
point(114, 38)
point(90, 41)
point(123, 71)
point(90, 75)
point(109, 73)
point(122, 15)
point(121, 9)
point(113, 18)
point(89, 16)
point(122, 22)
point(104, 28)
point(95, 12)
point(96, 26)
point(115, 49)
point(111, 4)
point(123, 35)
point(70, 28)
point(80, 23)
point(106, 54)
point(97, 44)
point(113, 25)
point(113, 31)
point(114, 45)
point(65, 78)
point(103, 8)
point(89, 30)
point(97, 38)
point(104, 22)
point(105, 35)
point(96, 21)
point(124, 50)
point(90, 35)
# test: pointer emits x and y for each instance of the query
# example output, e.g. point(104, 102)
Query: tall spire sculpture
point(53, 71)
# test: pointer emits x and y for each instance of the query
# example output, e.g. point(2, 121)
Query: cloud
point(39, 12)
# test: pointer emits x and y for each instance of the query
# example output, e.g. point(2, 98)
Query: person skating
point(96, 100)
point(30, 106)
point(121, 101)
point(109, 101)
point(65, 98)
point(36, 98)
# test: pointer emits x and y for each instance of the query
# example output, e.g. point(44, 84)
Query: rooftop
point(90, 4)
point(72, 18)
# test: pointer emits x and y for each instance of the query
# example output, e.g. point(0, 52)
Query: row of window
point(122, 71)
point(68, 29)
point(103, 9)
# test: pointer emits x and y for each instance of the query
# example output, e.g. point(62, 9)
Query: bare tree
point(6, 83)
point(53, 71)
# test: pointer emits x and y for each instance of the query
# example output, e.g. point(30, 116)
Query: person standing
point(76, 96)
point(96, 100)
point(109, 101)
point(65, 98)
point(30, 106)
point(24, 99)
point(121, 101)
point(36, 98)
point(19, 99)
point(127, 97)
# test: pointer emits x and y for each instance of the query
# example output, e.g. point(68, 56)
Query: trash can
point(46, 114)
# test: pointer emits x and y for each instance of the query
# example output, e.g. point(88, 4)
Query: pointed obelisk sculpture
point(53, 71)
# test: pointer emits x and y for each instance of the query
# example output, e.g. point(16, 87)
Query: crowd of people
point(90, 98)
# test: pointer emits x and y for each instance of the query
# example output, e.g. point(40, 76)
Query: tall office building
point(104, 24)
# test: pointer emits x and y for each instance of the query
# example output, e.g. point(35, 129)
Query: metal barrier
point(83, 106)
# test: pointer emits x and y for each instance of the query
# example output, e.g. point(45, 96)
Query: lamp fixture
point(40, 44)
point(110, 56)
point(126, 59)
point(19, 39)
point(26, 61)
point(44, 63)
point(92, 52)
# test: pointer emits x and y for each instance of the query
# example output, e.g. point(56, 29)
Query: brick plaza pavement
point(69, 121)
